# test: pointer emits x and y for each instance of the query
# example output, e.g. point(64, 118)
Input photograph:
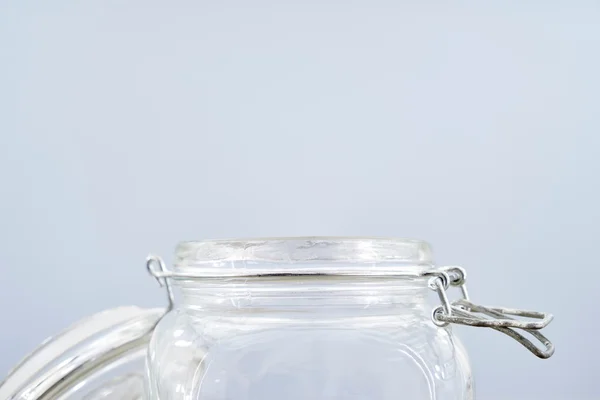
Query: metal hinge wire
point(465, 312)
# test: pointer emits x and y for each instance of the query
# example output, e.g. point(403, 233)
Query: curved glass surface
point(101, 357)
point(305, 318)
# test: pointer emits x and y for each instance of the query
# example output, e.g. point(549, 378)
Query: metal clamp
point(161, 274)
point(461, 312)
point(464, 312)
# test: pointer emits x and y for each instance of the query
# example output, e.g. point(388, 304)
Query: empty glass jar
point(316, 318)
point(273, 319)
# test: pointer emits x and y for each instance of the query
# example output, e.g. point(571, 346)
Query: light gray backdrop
point(128, 126)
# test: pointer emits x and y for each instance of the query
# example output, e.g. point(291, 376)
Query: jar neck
point(306, 295)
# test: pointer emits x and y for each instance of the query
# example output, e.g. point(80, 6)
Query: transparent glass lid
point(317, 255)
point(100, 357)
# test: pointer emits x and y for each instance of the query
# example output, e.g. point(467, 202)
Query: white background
point(128, 126)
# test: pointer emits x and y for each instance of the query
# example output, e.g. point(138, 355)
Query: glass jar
point(300, 318)
point(317, 318)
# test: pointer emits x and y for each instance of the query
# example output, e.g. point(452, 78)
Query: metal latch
point(465, 312)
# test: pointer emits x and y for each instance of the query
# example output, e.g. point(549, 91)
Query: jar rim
point(303, 254)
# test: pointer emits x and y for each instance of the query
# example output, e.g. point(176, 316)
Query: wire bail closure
point(461, 311)
point(464, 312)
point(157, 268)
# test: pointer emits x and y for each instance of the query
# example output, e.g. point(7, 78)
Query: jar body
point(382, 352)
point(306, 337)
